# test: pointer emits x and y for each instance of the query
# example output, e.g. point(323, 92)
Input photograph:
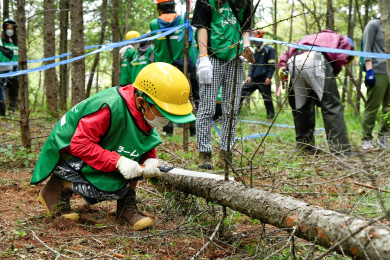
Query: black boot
point(2, 108)
point(168, 129)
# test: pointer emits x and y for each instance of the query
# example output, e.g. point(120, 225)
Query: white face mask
point(9, 33)
point(158, 121)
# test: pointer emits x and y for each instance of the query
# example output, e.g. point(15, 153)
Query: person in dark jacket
point(260, 75)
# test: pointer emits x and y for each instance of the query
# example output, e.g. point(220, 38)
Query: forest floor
point(183, 223)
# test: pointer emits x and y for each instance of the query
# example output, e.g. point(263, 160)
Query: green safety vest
point(125, 77)
point(13, 48)
point(139, 62)
point(161, 53)
point(223, 34)
point(123, 137)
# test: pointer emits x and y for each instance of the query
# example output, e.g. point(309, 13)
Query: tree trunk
point(23, 79)
point(64, 26)
point(323, 227)
point(185, 70)
point(77, 48)
point(96, 59)
point(127, 18)
point(115, 38)
point(275, 31)
point(291, 21)
point(5, 9)
point(385, 19)
point(330, 16)
point(49, 51)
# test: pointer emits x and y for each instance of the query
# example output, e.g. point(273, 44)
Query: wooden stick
point(371, 187)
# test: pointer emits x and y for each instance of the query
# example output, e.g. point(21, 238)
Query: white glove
point(128, 168)
point(122, 51)
point(243, 59)
point(205, 70)
point(151, 169)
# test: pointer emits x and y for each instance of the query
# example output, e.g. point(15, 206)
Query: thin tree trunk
point(275, 31)
point(96, 59)
point(23, 79)
point(49, 51)
point(313, 223)
point(115, 38)
point(291, 21)
point(127, 18)
point(330, 16)
point(385, 20)
point(64, 26)
point(5, 9)
point(185, 70)
point(359, 93)
point(77, 48)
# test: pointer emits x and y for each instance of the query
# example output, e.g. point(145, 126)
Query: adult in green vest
point(9, 40)
point(170, 48)
point(143, 56)
point(96, 149)
point(219, 25)
point(127, 55)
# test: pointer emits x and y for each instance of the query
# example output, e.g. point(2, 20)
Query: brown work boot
point(205, 160)
point(56, 198)
point(224, 155)
point(127, 209)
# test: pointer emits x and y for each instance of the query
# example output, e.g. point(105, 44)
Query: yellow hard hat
point(132, 34)
point(167, 87)
point(148, 31)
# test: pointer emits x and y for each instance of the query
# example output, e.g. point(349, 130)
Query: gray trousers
point(331, 107)
point(223, 72)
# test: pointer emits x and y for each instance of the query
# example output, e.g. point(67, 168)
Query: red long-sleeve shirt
point(91, 128)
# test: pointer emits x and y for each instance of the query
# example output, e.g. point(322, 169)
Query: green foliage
point(19, 155)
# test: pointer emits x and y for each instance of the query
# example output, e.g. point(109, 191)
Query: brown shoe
point(224, 155)
point(205, 161)
point(128, 210)
point(57, 199)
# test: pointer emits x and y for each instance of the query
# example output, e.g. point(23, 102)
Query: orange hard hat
point(257, 33)
point(164, 1)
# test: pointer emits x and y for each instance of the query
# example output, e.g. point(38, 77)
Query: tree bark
point(385, 20)
point(96, 59)
point(5, 9)
point(324, 227)
point(275, 31)
point(330, 16)
point(115, 37)
point(23, 79)
point(49, 51)
point(77, 48)
point(64, 26)
point(185, 70)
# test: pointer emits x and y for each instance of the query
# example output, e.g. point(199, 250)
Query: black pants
point(13, 93)
point(265, 91)
point(332, 113)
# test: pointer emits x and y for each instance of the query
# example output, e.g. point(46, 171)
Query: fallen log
point(316, 224)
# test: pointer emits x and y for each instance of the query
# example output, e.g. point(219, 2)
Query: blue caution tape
point(13, 63)
point(324, 49)
point(166, 31)
point(242, 138)
point(252, 136)
point(104, 48)
point(265, 123)
point(279, 125)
